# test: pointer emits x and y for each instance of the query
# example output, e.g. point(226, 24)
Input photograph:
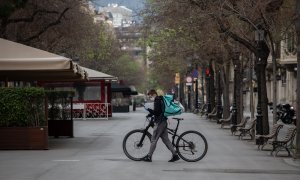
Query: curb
point(292, 162)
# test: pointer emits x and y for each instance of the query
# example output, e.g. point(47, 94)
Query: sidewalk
point(288, 160)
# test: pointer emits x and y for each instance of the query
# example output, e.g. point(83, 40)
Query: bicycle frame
point(173, 132)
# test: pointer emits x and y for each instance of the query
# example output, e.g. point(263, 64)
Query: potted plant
point(23, 122)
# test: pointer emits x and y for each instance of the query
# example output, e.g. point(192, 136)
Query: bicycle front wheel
point(134, 147)
point(191, 146)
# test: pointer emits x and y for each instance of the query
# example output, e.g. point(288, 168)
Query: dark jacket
point(158, 110)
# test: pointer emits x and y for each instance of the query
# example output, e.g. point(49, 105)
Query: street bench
point(242, 124)
point(286, 143)
point(247, 130)
point(269, 137)
point(213, 114)
point(203, 109)
point(226, 121)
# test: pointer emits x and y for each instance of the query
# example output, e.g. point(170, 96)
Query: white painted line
point(66, 160)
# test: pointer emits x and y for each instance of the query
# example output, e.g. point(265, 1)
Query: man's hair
point(152, 92)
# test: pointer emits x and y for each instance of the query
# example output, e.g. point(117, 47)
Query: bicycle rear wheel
point(132, 147)
point(191, 146)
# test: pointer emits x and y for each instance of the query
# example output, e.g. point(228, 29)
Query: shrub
point(22, 107)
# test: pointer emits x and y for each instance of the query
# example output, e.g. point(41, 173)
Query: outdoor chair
point(226, 121)
point(286, 143)
point(233, 128)
point(269, 137)
point(248, 129)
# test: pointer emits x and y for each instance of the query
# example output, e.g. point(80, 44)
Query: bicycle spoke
point(191, 146)
point(133, 148)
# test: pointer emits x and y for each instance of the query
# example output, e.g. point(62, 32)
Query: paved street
point(96, 153)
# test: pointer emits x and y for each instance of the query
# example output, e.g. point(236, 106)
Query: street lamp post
point(196, 96)
point(234, 108)
point(189, 87)
point(251, 87)
point(189, 98)
point(202, 87)
point(219, 103)
point(207, 72)
point(259, 37)
point(195, 76)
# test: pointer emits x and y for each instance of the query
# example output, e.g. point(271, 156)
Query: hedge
point(22, 107)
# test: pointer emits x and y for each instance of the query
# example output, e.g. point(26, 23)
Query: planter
point(24, 137)
point(60, 128)
point(120, 108)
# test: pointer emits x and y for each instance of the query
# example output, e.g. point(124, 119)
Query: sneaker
point(147, 158)
point(174, 158)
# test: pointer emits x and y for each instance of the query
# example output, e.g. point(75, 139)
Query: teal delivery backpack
point(171, 108)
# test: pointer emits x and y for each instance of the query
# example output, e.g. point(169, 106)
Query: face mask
point(152, 98)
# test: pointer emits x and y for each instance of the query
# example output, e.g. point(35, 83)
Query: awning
point(19, 62)
point(126, 90)
point(97, 75)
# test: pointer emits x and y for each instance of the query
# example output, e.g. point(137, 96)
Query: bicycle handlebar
point(178, 119)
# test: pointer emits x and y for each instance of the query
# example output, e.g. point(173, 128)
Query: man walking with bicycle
point(160, 127)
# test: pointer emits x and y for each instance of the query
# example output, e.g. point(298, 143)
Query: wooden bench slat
point(285, 142)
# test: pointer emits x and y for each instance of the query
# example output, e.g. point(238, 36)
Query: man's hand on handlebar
point(149, 115)
point(150, 110)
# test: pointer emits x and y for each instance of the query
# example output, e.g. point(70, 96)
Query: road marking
point(66, 160)
point(239, 171)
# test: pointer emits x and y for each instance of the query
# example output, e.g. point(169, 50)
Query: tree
point(238, 20)
point(128, 70)
point(297, 25)
point(64, 27)
point(101, 49)
point(193, 23)
point(185, 30)
point(175, 36)
point(57, 26)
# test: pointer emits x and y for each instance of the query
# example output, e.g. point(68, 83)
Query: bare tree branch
point(239, 15)
point(30, 19)
point(43, 30)
point(234, 36)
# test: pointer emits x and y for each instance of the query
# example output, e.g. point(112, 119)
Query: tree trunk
point(264, 101)
point(297, 24)
point(239, 90)
point(251, 61)
point(212, 87)
point(274, 87)
point(241, 104)
point(264, 54)
point(219, 94)
point(225, 83)
point(238, 83)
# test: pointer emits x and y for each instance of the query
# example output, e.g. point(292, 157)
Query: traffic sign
point(189, 79)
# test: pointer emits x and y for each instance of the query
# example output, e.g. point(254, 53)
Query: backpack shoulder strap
point(162, 103)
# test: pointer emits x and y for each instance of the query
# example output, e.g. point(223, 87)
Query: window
point(87, 93)
point(83, 92)
point(290, 42)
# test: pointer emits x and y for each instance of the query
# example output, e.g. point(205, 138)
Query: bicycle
point(191, 145)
